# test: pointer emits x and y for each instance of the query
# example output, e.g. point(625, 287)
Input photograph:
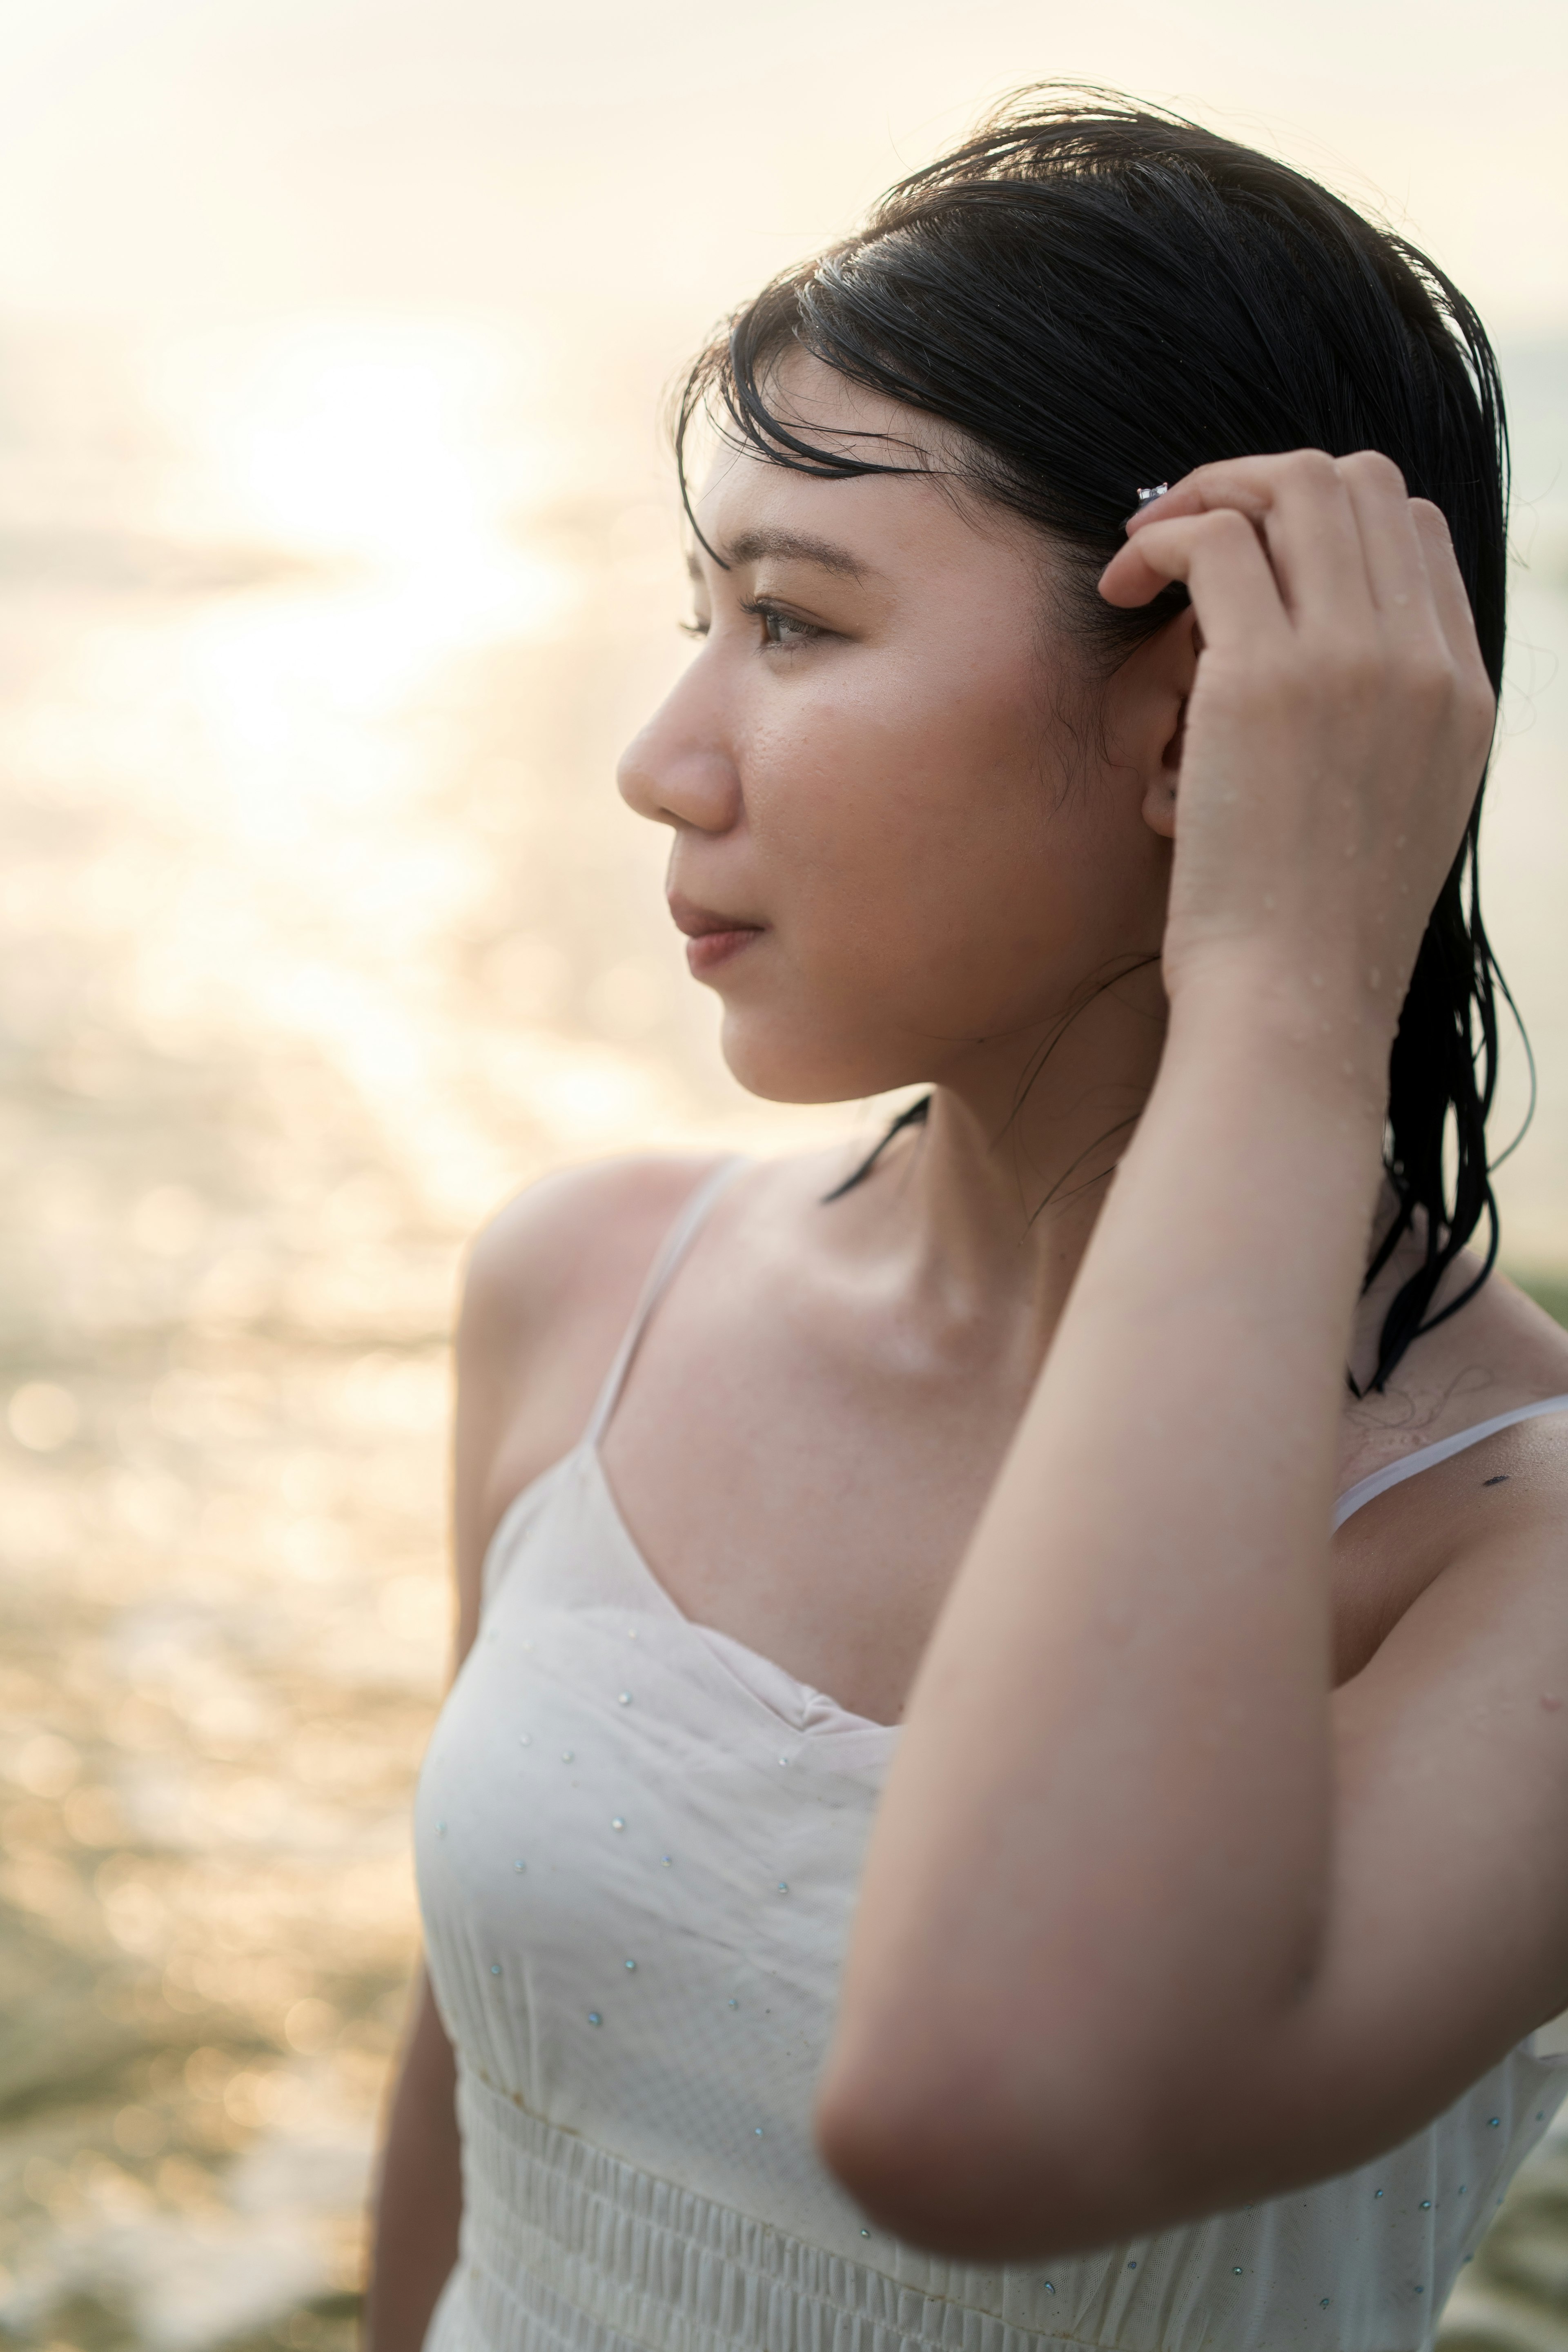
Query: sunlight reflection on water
point(322, 930)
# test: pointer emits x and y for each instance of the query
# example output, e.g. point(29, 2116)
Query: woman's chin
point(781, 1065)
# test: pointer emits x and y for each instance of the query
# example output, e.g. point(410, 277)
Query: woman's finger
point(1445, 584)
point(1191, 496)
point(1300, 507)
point(1221, 560)
point(1391, 548)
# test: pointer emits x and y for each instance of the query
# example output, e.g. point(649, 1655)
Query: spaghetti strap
point(1427, 1457)
point(675, 1243)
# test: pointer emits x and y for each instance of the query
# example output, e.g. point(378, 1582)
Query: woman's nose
point(677, 773)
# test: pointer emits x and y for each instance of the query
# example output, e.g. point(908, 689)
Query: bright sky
point(604, 157)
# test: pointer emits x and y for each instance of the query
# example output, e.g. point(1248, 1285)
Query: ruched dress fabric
point(639, 1844)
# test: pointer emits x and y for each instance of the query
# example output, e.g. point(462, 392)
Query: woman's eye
point(782, 628)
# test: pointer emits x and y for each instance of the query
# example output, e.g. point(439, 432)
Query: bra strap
point(675, 1243)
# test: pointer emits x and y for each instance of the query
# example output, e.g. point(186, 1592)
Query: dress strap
point(675, 1243)
point(1426, 1457)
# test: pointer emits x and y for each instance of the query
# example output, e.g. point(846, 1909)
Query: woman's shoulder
point(1493, 1353)
point(1479, 1405)
point(590, 1223)
point(577, 1244)
point(552, 1282)
point(556, 1273)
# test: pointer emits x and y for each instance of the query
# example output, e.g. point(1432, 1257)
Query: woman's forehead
point(861, 527)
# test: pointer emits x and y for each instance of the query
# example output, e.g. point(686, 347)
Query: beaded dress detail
point(639, 1844)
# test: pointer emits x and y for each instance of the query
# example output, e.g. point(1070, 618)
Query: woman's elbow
point(980, 2162)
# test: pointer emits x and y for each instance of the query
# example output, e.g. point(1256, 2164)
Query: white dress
point(639, 1844)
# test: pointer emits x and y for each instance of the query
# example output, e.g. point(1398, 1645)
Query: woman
point(934, 1843)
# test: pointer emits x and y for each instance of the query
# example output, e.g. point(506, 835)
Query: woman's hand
point(1336, 732)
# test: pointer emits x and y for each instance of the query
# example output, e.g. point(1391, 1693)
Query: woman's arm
point(419, 2197)
point(1147, 1920)
point(418, 2201)
point(550, 1286)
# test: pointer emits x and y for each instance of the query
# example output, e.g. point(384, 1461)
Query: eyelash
point(762, 610)
point(765, 612)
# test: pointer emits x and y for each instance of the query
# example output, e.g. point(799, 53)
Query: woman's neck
point(999, 1190)
point(994, 1196)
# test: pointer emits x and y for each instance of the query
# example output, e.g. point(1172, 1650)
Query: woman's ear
point(1172, 668)
point(1159, 792)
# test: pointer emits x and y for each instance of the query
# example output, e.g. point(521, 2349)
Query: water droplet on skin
point(631, 1964)
point(441, 1828)
point(784, 1888)
point(595, 2018)
point(668, 1861)
point(759, 2131)
point(1492, 2122)
point(865, 2233)
point(1377, 2192)
point(1425, 2204)
point(734, 2004)
point(525, 1740)
point(1131, 2266)
point(495, 1967)
point(566, 1756)
point(623, 1699)
point(1236, 2270)
point(519, 1865)
point(618, 1823)
point(1323, 2303)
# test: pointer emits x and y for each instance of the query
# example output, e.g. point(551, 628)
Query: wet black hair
point(1098, 295)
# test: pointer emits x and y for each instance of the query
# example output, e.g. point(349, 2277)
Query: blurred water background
point(337, 561)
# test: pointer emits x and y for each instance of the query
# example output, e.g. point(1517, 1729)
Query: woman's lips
point(708, 950)
point(711, 938)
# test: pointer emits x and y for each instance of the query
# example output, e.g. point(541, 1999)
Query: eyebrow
point(798, 546)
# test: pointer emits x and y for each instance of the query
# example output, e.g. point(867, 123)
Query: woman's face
point(896, 851)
